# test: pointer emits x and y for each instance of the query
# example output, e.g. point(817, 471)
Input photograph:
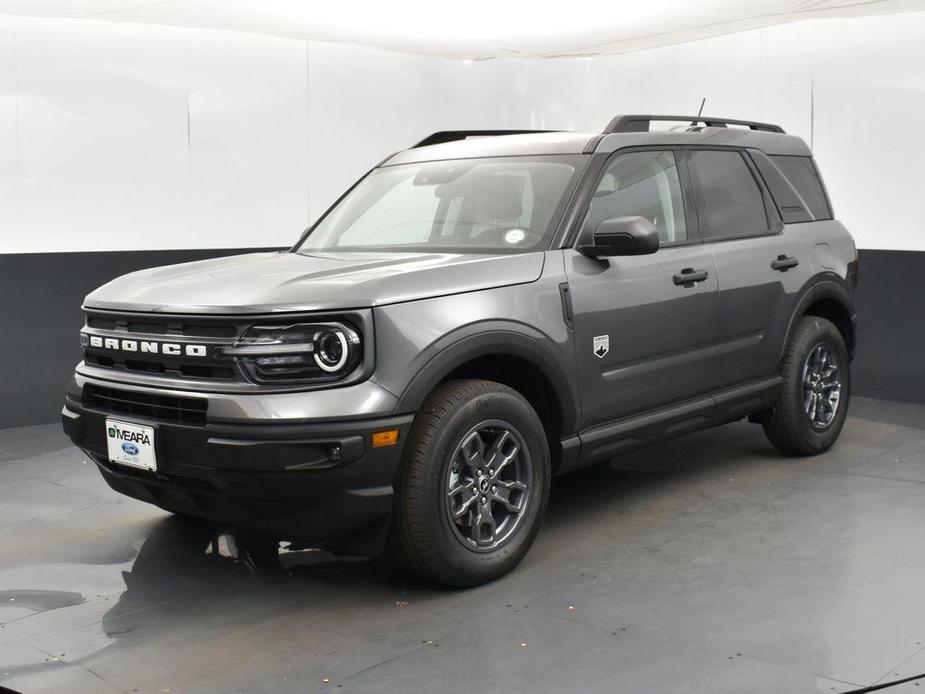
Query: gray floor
point(706, 564)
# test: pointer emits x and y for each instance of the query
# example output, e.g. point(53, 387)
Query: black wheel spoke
point(473, 451)
point(484, 526)
point(512, 485)
point(462, 511)
point(503, 497)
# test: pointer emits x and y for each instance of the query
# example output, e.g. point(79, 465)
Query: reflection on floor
point(706, 564)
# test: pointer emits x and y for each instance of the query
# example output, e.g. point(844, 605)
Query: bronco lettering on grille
point(170, 349)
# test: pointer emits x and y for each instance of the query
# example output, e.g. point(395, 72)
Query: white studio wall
point(145, 138)
point(833, 82)
point(122, 136)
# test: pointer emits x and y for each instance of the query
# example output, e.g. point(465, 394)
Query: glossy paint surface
point(706, 564)
point(756, 302)
point(662, 336)
point(270, 282)
point(412, 335)
point(361, 400)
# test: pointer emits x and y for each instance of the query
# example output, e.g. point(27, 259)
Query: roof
point(497, 146)
point(485, 143)
point(767, 142)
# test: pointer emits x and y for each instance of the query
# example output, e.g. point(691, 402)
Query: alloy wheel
point(821, 386)
point(488, 483)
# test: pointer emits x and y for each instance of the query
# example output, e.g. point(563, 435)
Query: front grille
point(163, 408)
point(211, 332)
point(199, 371)
point(157, 325)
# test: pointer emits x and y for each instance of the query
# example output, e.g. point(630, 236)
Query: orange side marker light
point(381, 439)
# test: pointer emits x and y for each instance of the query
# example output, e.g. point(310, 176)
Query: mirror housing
point(623, 236)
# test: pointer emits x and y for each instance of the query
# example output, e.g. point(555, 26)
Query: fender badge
point(601, 346)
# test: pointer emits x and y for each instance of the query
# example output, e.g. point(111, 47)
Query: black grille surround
point(134, 403)
point(195, 360)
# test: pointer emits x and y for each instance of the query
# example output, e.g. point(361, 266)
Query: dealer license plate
point(130, 444)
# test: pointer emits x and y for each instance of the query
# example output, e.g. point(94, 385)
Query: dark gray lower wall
point(890, 301)
point(40, 319)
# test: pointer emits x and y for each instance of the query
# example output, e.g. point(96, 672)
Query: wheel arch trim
point(826, 287)
point(481, 340)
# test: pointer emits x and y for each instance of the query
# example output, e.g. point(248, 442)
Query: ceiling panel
point(474, 29)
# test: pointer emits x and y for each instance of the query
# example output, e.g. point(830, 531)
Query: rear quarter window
point(801, 173)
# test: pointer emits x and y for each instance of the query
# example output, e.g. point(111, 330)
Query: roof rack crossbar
point(454, 135)
point(639, 123)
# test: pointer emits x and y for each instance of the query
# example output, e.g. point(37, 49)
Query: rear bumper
point(320, 482)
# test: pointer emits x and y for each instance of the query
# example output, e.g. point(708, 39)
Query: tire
point(489, 540)
point(791, 428)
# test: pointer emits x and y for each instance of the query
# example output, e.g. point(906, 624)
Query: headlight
point(301, 353)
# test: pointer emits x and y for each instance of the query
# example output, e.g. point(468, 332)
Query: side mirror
point(623, 236)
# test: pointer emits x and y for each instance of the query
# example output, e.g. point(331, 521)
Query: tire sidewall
point(475, 567)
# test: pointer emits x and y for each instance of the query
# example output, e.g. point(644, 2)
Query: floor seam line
point(904, 480)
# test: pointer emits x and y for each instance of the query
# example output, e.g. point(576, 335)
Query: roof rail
point(453, 135)
point(640, 123)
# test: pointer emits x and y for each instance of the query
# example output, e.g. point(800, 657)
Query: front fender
point(487, 338)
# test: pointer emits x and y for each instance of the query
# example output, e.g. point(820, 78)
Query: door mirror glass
point(623, 236)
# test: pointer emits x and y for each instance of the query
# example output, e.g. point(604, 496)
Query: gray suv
point(477, 314)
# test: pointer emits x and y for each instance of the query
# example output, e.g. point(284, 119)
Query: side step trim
point(604, 441)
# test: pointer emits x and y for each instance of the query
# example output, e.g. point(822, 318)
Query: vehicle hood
point(284, 281)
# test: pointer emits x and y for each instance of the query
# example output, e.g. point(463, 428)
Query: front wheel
point(813, 400)
point(473, 483)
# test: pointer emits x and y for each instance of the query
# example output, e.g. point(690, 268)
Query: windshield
point(491, 205)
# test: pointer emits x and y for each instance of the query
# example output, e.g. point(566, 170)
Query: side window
point(642, 184)
point(729, 200)
point(793, 208)
point(802, 174)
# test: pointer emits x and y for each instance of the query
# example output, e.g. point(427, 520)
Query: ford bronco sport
point(478, 313)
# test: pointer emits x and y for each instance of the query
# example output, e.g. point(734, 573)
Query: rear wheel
point(473, 483)
point(813, 400)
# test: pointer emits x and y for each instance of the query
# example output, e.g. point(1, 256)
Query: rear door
point(644, 334)
point(761, 265)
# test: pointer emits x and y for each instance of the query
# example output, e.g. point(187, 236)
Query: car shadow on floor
point(186, 564)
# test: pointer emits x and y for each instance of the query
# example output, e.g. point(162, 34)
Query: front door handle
point(782, 263)
point(688, 276)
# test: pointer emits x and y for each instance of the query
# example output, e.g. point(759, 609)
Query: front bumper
point(319, 482)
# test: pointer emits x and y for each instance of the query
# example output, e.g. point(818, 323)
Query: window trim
point(775, 225)
point(691, 221)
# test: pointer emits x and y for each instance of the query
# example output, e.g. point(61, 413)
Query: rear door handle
point(688, 276)
point(783, 263)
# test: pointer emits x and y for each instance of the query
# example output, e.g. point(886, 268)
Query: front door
point(645, 326)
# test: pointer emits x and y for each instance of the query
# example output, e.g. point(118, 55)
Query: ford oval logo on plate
point(130, 448)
